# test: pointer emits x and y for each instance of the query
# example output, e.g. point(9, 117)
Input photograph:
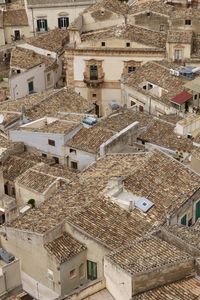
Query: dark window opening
point(132, 103)
point(42, 25)
point(30, 87)
point(188, 22)
point(103, 44)
point(93, 73)
point(131, 69)
point(17, 35)
point(63, 22)
point(184, 220)
point(6, 188)
point(56, 159)
point(72, 150)
point(128, 44)
point(148, 14)
point(74, 165)
point(51, 142)
point(44, 155)
point(18, 71)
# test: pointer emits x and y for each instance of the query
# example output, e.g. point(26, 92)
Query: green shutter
point(197, 214)
point(184, 220)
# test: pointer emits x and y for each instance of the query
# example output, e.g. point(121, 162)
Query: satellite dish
point(1, 119)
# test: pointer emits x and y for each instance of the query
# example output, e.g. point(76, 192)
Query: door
point(91, 270)
point(197, 211)
point(141, 108)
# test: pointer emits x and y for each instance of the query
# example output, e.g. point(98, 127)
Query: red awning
point(181, 98)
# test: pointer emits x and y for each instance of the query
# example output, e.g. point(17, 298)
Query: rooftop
point(35, 180)
point(190, 235)
point(44, 3)
point(110, 5)
point(158, 74)
point(15, 166)
point(63, 100)
point(146, 254)
point(162, 133)
point(16, 17)
point(183, 37)
point(157, 7)
point(90, 139)
point(128, 32)
point(186, 289)
point(26, 59)
point(54, 40)
point(162, 177)
point(64, 247)
point(57, 126)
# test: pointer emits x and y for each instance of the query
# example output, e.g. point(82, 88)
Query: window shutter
point(59, 23)
point(45, 24)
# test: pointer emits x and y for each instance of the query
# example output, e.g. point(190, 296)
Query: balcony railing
point(93, 80)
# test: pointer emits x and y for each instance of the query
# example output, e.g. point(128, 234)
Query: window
point(148, 14)
point(56, 159)
point(81, 271)
point(72, 273)
point(18, 71)
point(30, 87)
point(72, 151)
point(132, 103)
point(44, 155)
point(49, 77)
point(162, 27)
point(94, 95)
point(13, 191)
point(50, 275)
point(17, 35)
point(131, 69)
point(91, 270)
point(42, 25)
point(103, 44)
point(51, 142)
point(74, 165)
point(184, 220)
point(63, 22)
point(188, 22)
point(177, 54)
point(93, 72)
point(128, 44)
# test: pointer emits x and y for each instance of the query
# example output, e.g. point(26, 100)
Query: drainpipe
point(149, 105)
point(33, 21)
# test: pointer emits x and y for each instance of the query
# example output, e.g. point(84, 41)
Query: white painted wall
point(39, 50)
point(52, 13)
point(19, 82)
point(39, 140)
point(118, 282)
point(84, 159)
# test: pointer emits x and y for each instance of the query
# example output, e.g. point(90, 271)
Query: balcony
point(93, 81)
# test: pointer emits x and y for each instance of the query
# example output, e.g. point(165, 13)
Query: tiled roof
point(58, 126)
point(158, 74)
point(43, 3)
point(90, 139)
point(186, 289)
point(36, 181)
point(158, 7)
point(64, 247)
point(15, 18)
point(26, 59)
point(54, 40)
point(122, 118)
point(165, 182)
point(147, 254)
point(114, 6)
point(162, 134)
point(183, 37)
point(190, 235)
point(15, 166)
point(128, 32)
point(63, 100)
